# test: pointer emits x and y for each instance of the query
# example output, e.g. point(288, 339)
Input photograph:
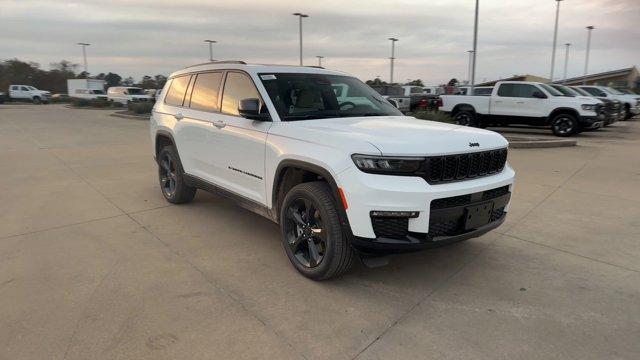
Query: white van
point(127, 94)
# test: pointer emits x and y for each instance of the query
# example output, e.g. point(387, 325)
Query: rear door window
point(205, 92)
point(506, 90)
point(175, 95)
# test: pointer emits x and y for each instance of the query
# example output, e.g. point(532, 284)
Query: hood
point(404, 135)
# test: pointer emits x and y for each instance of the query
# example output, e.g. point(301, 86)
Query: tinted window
point(175, 95)
point(237, 87)
point(594, 91)
point(14, 88)
point(517, 90)
point(24, 88)
point(205, 92)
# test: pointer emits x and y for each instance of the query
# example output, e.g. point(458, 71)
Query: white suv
point(127, 94)
point(341, 170)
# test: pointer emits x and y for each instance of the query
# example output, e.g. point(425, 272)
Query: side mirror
point(539, 95)
point(250, 109)
point(393, 102)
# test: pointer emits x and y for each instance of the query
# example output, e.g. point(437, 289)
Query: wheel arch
point(462, 107)
point(162, 139)
point(562, 110)
point(287, 174)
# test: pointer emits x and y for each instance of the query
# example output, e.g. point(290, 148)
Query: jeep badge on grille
point(475, 144)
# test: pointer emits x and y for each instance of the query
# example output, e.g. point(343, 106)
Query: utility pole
point(393, 53)
point(211, 42)
point(475, 48)
point(320, 60)
point(84, 56)
point(566, 60)
point(555, 39)
point(586, 60)
point(469, 66)
point(300, 16)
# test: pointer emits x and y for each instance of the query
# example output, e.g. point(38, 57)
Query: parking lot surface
point(94, 264)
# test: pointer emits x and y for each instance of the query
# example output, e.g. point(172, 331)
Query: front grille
point(392, 228)
point(440, 169)
point(468, 198)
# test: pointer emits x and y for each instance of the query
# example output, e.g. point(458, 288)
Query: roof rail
point(219, 62)
point(315, 66)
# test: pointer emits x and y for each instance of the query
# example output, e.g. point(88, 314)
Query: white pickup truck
point(529, 103)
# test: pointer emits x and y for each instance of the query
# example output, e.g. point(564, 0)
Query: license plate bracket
point(477, 215)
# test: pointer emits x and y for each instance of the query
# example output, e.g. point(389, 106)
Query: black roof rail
point(219, 62)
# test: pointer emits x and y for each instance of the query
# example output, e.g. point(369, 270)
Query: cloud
point(141, 37)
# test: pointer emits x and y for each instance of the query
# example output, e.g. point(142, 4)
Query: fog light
point(395, 214)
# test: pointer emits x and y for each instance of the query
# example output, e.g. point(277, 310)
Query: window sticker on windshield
point(268, 77)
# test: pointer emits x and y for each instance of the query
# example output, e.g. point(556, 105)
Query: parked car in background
point(529, 103)
point(127, 94)
point(3, 97)
point(627, 91)
point(343, 173)
point(630, 103)
point(86, 88)
point(612, 109)
point(417, 98)
point(395, 95)
point(29, 93)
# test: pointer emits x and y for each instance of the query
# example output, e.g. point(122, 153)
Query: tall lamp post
point(586, 60)
point(320, 60)
point(555, 40)
point(392, 58)
point(300, 16)
point(566, 60)
point(475, 48)
point(469, 66)
point(211, 42)
point(84, 56)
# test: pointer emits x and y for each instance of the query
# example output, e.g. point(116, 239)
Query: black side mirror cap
point(250, 109)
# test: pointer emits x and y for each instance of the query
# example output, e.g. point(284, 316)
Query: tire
point(466, 118)
point(627, 112)
point(312, 235)
point(564, 125)
point(36, 100)
point(170, 176)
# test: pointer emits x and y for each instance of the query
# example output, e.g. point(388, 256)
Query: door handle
point(219, 124)
point(519, 102)
point(498, 101)
point(178, 116)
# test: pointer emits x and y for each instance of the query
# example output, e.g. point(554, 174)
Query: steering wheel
point(347, 103)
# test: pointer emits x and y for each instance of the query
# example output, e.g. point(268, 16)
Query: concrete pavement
point(95, 264)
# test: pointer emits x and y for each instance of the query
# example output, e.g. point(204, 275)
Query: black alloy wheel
point(168, 175)
point(465, 118)
point(564, 125)
point(304, 232)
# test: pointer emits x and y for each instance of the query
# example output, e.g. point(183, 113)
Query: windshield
point(134, 91)
point(581, 92)
point(613, 91)
point(316, 96)
point(565, 90)
point(31, 88)
point(551, 90)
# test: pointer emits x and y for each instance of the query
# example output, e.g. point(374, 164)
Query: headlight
point(387, 164)
point(589, 107)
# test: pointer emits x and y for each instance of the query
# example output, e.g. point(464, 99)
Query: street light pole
point(392, 58)
point(475, 48)
point(566, 60)
point(555, 40)
point(300, 16)
point(469, 66)
point(320, 60)
point(84, 56)
point(211, 42)
point(586, 60)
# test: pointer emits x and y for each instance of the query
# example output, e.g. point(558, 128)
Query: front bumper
point(591, 122)
point(369, 192)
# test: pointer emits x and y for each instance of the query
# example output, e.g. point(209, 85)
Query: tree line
point(15, 71)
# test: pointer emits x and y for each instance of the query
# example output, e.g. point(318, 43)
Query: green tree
point(453, 82)
point(112, 79)
point(416, 82)
point(160, 81)
point(128, 81)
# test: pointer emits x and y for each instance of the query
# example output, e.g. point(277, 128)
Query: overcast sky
point(151, 37)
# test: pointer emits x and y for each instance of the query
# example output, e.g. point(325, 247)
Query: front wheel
point(465, 118)
point(564, 125)
point(36, 100)
point(312, 235)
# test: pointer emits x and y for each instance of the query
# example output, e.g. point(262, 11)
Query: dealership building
point(628, 78)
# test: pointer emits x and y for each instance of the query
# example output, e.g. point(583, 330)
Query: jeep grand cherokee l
point(340, 169)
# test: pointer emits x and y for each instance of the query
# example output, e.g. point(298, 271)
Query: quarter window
point(205, 92)
point(175, 96)
point(237, 87)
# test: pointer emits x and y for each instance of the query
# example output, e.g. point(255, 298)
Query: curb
point(127, 116)
point(537, 143)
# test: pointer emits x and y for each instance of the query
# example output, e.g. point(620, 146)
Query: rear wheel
point(312, 234)
point(564, 125)
point(465, 118)
point(170, 174)
point(627, 112)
